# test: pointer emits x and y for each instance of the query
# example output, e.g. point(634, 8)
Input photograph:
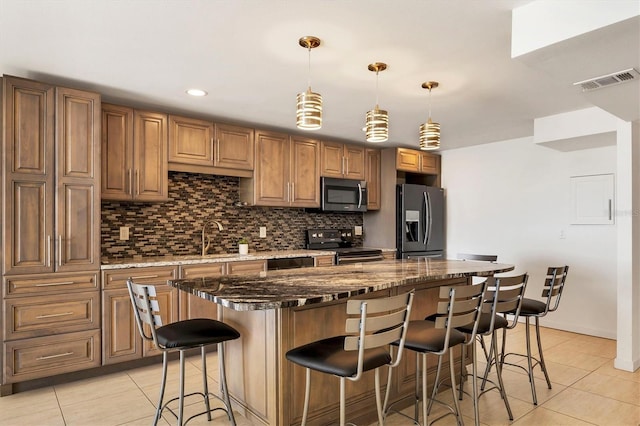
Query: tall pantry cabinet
point(50, 230)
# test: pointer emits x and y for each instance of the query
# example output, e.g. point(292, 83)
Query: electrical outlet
point(357, 230)
point(263, 232)
point(124, 233)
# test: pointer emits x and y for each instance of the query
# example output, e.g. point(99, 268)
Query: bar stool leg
point(425, 408)
point(181, 399)
point(529, 364)
point(205, 387)
point(452, 374)
point(494, 344)
point(342, 401)
point(474, 384)
point(223, 383)
point(307, 390)
point(542, 364)
point(378, 399)
point(162, 387)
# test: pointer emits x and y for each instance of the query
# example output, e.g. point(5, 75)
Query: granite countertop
point(299, 287)
point(141, 262)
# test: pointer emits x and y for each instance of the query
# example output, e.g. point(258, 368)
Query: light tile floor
point(587, 390)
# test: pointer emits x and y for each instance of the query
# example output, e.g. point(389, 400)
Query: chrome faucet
point(206, 239)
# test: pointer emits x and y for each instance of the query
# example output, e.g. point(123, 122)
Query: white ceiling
point(245, 53)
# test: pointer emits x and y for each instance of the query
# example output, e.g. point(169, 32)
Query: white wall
point(512, 198)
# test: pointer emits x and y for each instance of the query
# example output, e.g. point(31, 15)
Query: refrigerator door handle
point(427, 225)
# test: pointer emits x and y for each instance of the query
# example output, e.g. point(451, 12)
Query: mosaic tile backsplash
point(175, 227)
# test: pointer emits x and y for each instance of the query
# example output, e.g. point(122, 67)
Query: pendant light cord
point(377, 89)
point(309, 69)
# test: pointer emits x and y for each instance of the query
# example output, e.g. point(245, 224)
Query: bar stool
point(181, 336)
point(458, 305)
point(531, 308)
point(503, 294)
point(372, 325)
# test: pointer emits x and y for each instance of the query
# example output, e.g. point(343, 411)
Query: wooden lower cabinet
point(324, 260)
point(51, 355)
point(268, 389)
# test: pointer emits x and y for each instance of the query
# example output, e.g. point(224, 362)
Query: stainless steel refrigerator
point(419, 221)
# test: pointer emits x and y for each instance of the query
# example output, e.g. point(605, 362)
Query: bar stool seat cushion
point(328, 356)
point(195, 332)
point(484, 324)
point(532, 307)
point(423, 336)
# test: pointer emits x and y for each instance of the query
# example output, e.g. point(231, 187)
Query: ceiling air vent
point(608, 80)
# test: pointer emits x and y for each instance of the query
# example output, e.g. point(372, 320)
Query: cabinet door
point(271, 176)
point(28, 176)
point(190, 141)
point(192, 306)
point(407, 160)
point(151, 177)
point(121, 340)
point(373, 179)
point(429, 163)
point(78, 202)
point(354, 162)
point(117, 153)
point(234, 147)
point(305, 173)
point(332, 159)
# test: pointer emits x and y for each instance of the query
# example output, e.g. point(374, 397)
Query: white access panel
point(592, 200)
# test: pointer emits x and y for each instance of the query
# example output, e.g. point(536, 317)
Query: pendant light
point(377, 120)
point(430, 131)
point(309, 104)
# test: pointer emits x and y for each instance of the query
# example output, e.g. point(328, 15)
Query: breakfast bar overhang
point(277, 310)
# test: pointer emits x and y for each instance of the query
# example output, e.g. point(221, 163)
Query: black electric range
point(341, 241)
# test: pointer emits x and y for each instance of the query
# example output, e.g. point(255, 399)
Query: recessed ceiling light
point(197, 92)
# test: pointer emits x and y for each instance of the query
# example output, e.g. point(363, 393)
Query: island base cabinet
point(268, 389)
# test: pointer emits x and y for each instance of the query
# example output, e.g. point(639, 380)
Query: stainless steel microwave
point(343, 195)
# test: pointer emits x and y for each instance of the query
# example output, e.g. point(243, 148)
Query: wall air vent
point(608, 80)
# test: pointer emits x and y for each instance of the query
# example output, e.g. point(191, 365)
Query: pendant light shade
point(430, 131)
point(377, 120)
point(309, 103)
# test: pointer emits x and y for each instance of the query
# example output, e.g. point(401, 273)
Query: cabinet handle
point(42, 358)
point(137, 182)
point(342, 168)
point(130, 182)
point(144, 277)
point(347, 161)
point(59, 250)
point(55, 284)
point(63, 314)
point(610, 209)
point(288, 191)
point(217, 151)
point(48, 251)
point(293, 191)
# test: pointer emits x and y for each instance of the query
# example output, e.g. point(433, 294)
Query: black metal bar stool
point(372, 324)
point(181, 336)
point(531, 308)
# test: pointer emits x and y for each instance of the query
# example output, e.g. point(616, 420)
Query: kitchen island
point(275, 311)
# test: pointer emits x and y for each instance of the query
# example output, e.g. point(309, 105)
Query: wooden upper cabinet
point(410, 160)
point(234, 147)
point(150, 156)
point(372, 176)
point(407, 160)
point(190, 141)
point(286, 172)
point(305, 173)
point(342, 160)
point(134, 154)
point(270, 183)
point(46, 171)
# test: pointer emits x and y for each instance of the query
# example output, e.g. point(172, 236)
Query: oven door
point(343, 195)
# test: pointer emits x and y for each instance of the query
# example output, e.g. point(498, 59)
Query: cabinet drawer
point(21, 285)
point(46, 315)
point(206, 270)
point(246, 267)
point(47, 356)
point(324, 260)
point(117, 278)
